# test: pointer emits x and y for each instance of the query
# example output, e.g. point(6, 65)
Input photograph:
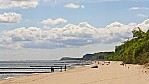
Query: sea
point(28, 63)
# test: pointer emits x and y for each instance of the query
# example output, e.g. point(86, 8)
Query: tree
point(137, 32)
point(135, 50)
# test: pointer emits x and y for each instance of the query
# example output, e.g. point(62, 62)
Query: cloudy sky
point(50, 29)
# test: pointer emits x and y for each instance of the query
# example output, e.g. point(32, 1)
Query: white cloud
point(54, 22)
point(82, 6)
point(74, 6)
point(6, 4)
point(134, 8)
point(138, 8)
point(10, 17)
point(68, 36)
point(142, 15)
point(146, 22)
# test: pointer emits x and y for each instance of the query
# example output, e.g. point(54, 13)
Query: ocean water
point(26, 64)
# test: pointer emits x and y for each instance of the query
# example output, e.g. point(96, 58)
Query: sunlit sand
point(114, 73)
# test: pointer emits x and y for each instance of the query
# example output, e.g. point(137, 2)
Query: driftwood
point(94, 67)
point(107, 62)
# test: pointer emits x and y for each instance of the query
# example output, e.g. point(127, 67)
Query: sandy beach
point(114, 73)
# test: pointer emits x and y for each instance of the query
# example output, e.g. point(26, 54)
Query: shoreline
point(27, 74)
point(114, 73)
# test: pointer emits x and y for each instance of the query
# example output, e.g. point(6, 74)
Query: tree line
point(134, 51)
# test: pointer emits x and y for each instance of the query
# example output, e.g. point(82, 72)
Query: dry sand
point(105, 74)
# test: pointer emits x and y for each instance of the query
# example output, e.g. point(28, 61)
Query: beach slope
point(114, 73)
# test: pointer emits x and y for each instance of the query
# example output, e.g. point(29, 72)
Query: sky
point(51, 29)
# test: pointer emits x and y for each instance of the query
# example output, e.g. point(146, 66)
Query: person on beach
point(98, 62)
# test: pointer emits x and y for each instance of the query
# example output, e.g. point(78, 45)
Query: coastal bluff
point(70, 58)
point(95, 56)
point(85, 57)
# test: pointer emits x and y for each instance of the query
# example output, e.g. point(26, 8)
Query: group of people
point(124, 65)
point(97, 63)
